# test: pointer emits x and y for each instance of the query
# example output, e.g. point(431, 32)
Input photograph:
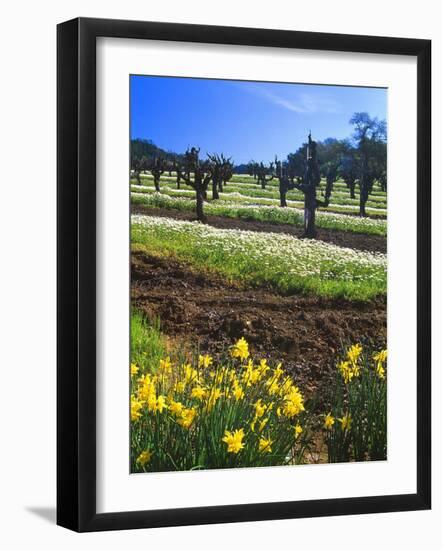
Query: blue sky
point(244, 120)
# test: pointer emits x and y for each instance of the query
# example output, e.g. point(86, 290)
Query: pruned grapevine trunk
point(365, 186)
point(215, 194)
point(329, 187)
point(352, 186)
point(199, 207)
point(309, 223)
point(362, 203)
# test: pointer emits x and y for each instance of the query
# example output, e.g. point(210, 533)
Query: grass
point(265, 213)
point(282, 262)
point(147, 343)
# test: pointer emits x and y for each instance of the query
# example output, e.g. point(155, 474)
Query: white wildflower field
point(244, 189)
point(283, 261)
point(243, 197)
point(261, 212)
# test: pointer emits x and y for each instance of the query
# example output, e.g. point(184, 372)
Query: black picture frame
point(76, 274)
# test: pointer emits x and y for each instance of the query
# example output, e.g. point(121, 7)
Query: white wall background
point(27, 289)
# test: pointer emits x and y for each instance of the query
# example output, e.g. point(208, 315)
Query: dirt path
point(371, 243)
point(303, 332)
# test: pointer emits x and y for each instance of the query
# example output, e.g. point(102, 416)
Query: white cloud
point(302, 103)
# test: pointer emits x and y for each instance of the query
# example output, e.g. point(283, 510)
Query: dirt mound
point(304, 332)
point(358, 241)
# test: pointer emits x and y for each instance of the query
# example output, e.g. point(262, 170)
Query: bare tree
point(157, 169)
point(176, 169)
point(264, 174)
point(285, 181)
point(202, 175)
point(350, 172)
point(139, 165)
point(252, 169)
point(222, 172)
point(216, 168)
point(308, 184)
point(383, 181)
point(371, 135)
point(226, 171)
point(331, 176)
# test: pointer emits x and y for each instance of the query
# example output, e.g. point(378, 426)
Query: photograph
point(223, 264)
point(258, 274)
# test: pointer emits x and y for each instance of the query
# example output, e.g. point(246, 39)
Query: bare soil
point(306, 333)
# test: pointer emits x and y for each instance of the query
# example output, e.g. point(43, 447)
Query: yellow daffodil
point(215, 394)
point(286, 386)
point(198, 392)
point(328, 421)
point(134, 369)
point(345, 422)
point(234, 440)
point(180, 387)
point(262, 424)
point(354, 352)
point(146, 387)
point(238, 392)
point(240, 349)
point(165, 365)
point(156, 404)
point(190, 374)
point(380, 371)
point(187, 417)
point(144, 457)
point(161, 403)
point(220, 376)
point(260, 409)
point(135, 407)
point(176, 408)
point(251, 375)
point(293, 403)
point(278, 372)
point(274, 388)
point(381, 356)
point(298, 430)
point(265, 445)
point(346, 371)
point(263, 367)
point(205, 361)
point(152, 402)
point(231, 375)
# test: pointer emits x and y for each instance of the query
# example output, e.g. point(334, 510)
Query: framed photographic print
point(243, 274)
